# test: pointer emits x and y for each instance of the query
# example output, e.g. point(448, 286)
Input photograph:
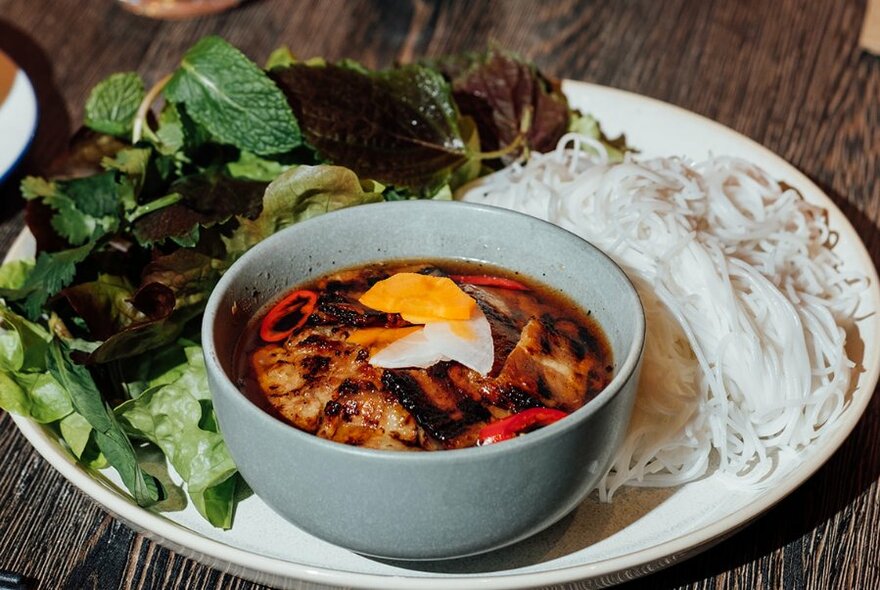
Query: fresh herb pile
point(99, 334)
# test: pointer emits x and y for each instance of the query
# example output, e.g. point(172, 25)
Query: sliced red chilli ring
point(288, 315)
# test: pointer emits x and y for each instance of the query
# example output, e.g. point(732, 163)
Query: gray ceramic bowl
point(428, 505)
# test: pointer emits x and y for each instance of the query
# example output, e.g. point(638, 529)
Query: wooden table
point(786, 73)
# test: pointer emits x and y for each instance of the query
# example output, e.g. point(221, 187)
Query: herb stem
point(152, 206)
point(524, 125)
point(140, 127)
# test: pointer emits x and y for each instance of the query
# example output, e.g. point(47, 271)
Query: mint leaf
point(398, 127)
point(233, 99)
point(113, 104)
point(112, 441)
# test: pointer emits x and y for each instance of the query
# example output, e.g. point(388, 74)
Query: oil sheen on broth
point(550, 358)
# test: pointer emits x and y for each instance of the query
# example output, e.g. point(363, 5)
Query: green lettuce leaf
point(252, 167)
point(588, 125)
point(25, 388)
point(14, 273)
point(299, 194)
point(23, 344)
point(233, 99)
point(170, 415)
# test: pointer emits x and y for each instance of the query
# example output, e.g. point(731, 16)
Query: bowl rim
point(626, 371)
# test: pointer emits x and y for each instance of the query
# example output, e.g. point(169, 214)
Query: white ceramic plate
point(18, 114)
point(643, 530)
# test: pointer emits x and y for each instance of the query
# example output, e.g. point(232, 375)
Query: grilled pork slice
point(321, 384)
point(552, 362)
point(445, 411)
point(549, 366)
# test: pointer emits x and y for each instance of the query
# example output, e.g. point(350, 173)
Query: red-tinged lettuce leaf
point(497, 90)
point(398, 127)
point(190, 275)
point(173, 290)
point(105, 305)
point(206, 200)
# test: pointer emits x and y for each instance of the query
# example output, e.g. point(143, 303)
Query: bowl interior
point(429, 230)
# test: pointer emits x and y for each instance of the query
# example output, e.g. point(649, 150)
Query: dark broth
point(320, 383)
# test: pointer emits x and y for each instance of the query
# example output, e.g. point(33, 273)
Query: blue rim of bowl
point(624, 375)
point(32, 133)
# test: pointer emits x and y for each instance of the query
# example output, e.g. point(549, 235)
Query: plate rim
point(21, 78)
point(279, 571)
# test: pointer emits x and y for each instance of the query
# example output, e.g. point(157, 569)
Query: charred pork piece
point(336, 309)
point(365, 416)
point(499, 397)
point(505, 321)
point(321, 384)
point(446, 412)
point(556, 360)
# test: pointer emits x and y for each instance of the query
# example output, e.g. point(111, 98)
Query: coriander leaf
point(86, 208)
point(136, 170)
point(233, 99)
point(299, 194)
point(169, 416)
point(111, 439)
point(93, 195)
point(113, 103)
point(399, 127)
point(498, 90)
point(51, 273)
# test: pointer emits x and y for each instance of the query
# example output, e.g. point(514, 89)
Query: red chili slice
point(288, 315)
point(517, 424)
point(490, 281)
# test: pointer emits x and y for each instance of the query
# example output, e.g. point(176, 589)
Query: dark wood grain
point(786, 73)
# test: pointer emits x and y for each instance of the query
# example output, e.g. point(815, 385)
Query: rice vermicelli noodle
point(746, 302)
